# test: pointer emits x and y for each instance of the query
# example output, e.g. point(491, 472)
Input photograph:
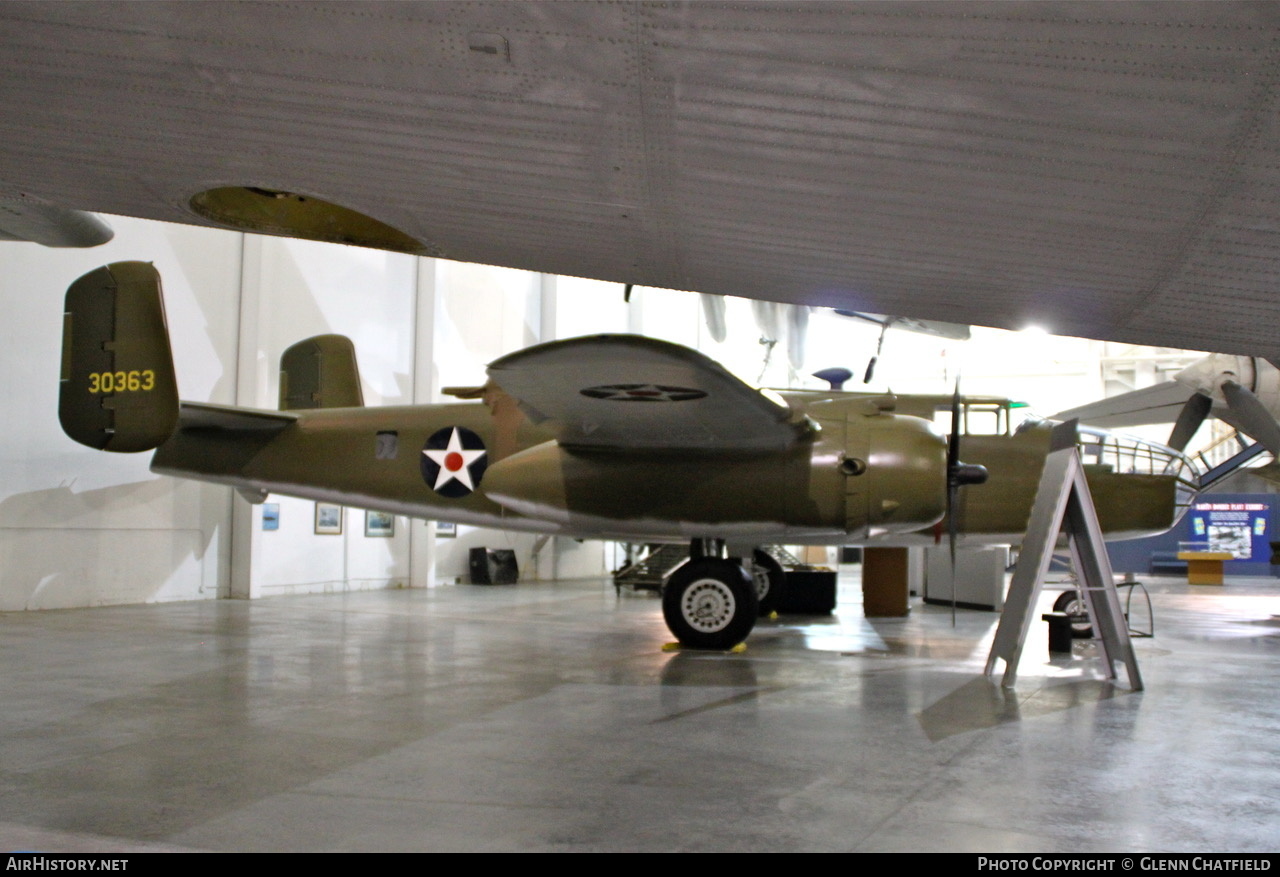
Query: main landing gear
point(712, 602)
point(770, 579)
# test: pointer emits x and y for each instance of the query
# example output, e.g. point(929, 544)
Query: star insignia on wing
point(642, 393)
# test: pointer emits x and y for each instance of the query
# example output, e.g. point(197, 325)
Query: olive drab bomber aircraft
point(606, 436)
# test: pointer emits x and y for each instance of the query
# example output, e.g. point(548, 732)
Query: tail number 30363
point(121, 382)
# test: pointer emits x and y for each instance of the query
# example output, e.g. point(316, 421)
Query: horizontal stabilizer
point(1160, 403)
point(118, 390)
point(625, 391)
point(197, 415)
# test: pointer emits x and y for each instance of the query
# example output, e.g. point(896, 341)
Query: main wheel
point(1070, 603)
point(770, 580)
point(710, 604)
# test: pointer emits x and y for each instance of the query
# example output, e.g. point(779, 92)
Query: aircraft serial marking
point(121, 382)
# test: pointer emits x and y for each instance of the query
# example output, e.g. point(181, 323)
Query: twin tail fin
point(118, 389)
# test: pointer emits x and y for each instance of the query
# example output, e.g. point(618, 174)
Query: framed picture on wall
point(379, 525)
point(446, 529)
point(271, 516)
point(328, 519)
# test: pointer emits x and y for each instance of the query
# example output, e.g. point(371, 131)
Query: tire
point(710, 604)
point(1070, 603)
point(770, 579)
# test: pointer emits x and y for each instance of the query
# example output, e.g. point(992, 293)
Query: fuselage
point(861, 474)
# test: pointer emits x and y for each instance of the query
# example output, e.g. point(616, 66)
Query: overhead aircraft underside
point(1104, 170)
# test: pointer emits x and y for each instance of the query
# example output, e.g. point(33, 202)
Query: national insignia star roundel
point(453, 461)
point(642, 393)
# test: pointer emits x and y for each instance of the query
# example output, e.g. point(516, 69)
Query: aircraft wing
point(630, 392)
point(1106, 170)
point(1160, 403)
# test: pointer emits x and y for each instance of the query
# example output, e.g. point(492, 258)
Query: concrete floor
point(548, 717)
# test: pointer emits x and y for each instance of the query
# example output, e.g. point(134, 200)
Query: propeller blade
point(958, 475)
point(871, 366)
point(953, 440)
point(1252, 415)
point(1190, 417)
point(713, 311)
point(953, 533)
point(797, 334)
point(953, 490)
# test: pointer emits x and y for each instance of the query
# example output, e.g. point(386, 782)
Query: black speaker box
point(493, 566)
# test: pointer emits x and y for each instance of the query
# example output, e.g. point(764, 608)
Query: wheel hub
point(708, 605)
point(760, 575)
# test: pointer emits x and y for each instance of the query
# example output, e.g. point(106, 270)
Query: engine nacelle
point(864, 474)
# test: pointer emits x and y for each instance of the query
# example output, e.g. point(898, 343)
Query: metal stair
point(650, 572)
point(788, 560)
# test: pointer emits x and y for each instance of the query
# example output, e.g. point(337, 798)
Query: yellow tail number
point(122, 382)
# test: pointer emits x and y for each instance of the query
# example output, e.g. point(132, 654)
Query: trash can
point(1059, 632)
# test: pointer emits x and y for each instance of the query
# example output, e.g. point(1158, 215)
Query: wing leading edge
point(629, 392)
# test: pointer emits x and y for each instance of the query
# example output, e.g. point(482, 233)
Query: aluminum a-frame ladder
point(1063, 503)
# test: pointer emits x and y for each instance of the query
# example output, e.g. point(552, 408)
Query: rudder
point(118, 389)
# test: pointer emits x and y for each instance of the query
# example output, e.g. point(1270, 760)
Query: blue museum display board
point(1240, 526)
point(1240, 523)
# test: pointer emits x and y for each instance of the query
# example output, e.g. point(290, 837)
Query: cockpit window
point(976, 418)
point(985, 419)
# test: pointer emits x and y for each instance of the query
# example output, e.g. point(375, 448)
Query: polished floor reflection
point(548, 716)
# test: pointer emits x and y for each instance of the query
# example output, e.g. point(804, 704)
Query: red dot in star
point(453, 462)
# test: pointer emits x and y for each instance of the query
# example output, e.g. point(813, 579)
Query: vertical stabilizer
point(320, 372)
point(118, 388)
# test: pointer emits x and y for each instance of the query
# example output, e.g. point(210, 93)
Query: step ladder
point(1063, 504)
